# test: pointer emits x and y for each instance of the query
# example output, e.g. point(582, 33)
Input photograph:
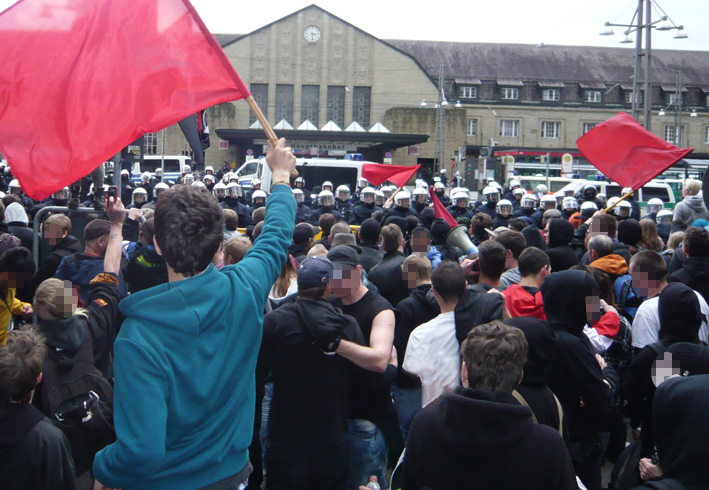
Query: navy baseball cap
point(314, 272)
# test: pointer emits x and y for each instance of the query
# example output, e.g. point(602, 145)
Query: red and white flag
point(82, 79)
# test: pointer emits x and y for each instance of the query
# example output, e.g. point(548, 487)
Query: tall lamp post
point(637, 25)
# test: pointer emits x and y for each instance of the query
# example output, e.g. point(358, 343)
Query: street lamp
point(678, 108)
point(637, 26)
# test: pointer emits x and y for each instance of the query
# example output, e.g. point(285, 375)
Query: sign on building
point(223, 144)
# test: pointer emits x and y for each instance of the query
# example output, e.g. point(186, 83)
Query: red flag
point(83, 79)
point(440, 209)
point(376, 173)
point(628, 153)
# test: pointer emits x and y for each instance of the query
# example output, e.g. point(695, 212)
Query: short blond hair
point(46, 298)
point(692, 187)
point(60, 220)
point(236, 248)
point(317, 250)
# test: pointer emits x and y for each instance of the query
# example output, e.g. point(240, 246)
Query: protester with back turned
point(309, 385)
point(692, 206)
point(695, 269)
point(387, 274)
point(195, 430)
point(479, 436)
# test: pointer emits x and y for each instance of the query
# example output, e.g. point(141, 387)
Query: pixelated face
point(53, 233)
point(420, 243)
point(16, 280)
point(410, 276)
point(664, 369)
point(593, 309)
point(67, 300)
point(345, 281)
point(641, 281)
point(545, 233)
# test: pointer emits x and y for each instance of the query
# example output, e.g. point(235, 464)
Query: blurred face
point(549, 205)
point(139, 197)
point(259, 201)
point(343, 195)
point(346, 282)
point(220, 192)
point(327, 187)
point(461, 203)
point(623, 212)
point(256, 186)
point(404, 203)
point(53, 233)
point(298, 196)
point(368, 198)
point(16, 190)
point(60, 195)
point(15, 280)
point(421, 198)
point(420, 243)
point(505, 211)
point(410, 276)
point(593, 309)
point(299, 184)
point(326, 201)
point(67, 300)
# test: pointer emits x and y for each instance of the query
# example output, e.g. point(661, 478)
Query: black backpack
point(697, 365)
point(80, 400)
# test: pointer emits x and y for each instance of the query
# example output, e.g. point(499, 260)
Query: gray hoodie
point(690, 209)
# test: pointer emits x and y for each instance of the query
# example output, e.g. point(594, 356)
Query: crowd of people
point(203, 337)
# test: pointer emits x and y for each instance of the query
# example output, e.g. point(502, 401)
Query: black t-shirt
point(310, 404)
point(369, 393)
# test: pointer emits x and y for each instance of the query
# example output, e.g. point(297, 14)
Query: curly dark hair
point(189, 227)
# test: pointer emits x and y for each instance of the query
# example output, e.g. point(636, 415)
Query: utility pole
point(440, 125)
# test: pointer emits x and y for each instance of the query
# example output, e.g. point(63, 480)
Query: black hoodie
point(541, 343)
point(695, 274)
point(574, 373)
point(67, 246)
point(484, 440)
point(417, 309)
point(561, 255)
point(34, 454)
point(679, 413)
point(680, 320)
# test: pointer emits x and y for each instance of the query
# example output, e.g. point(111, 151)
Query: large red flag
point(440, 209)
point(376, 173)
point(628, 153)
point(82, 79)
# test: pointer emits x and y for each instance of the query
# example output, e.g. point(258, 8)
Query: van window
point(613, 190)
point(249, 169)
point(171, 165)
point(315, 176)
point(658, 192)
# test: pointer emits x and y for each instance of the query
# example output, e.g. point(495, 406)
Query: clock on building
point(311, 33)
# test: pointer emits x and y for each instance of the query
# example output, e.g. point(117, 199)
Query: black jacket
point(476, 308)
point(145, 268)
point(34, 454)
point(242, 211)
point(68, 246)
point(362, 212)
point(541, 343)
point(574, 373)
point(23, 232)
point(310, 387)
point(371, 256)
point(417, 309)
point(388, 278)
point(482, 440)
point(561, 255)
point(695, 274)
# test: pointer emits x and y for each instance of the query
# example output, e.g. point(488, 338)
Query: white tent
point(355, 128)
point(256, 125)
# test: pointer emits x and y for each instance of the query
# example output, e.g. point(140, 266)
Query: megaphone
point(458, 237)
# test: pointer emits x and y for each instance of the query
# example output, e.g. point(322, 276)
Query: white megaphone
point(458, 237)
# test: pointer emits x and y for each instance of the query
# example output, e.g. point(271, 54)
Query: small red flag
point(83, 79)
point(627, 153)
point(376, 173)
point(440, 209)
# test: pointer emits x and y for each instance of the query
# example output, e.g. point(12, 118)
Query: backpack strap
point(561, 415)
point(524, 403)
point(658, 347)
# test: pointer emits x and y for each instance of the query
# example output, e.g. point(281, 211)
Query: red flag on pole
point(440, 209)
point(83, 79)
point(627, 153)
point(376, 173)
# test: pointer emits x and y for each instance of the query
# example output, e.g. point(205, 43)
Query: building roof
point(528, 62)
point(224, 39)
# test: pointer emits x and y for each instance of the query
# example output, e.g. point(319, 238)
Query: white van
point(315, 171)
point(174, 165)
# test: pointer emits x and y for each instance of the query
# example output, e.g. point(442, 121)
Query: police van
point(314, 171)
point(653, 189)
point(174, 166)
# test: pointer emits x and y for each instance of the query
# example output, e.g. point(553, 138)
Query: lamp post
point(440, 124)
point(637, 25)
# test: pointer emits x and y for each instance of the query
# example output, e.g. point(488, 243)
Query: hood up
point(561, 232)
point(564, 294)
point(695, 202)
point(64, 338)
point(542, 344)
point(680, 314)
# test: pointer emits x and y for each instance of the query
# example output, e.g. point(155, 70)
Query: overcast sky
point(576, 22)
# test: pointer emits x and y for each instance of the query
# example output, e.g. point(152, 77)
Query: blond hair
point(59, 220)
point(46, 299)
point(692, 187)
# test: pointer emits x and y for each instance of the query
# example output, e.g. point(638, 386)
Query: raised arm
point(117, 214)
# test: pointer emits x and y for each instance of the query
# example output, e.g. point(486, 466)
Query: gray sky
point(576, 22)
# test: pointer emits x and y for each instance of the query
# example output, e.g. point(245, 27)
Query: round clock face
point(311, 34)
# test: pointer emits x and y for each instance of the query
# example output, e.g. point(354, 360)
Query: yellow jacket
point(16, 306)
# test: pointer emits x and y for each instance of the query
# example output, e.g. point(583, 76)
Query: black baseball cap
point(343, 256)
point(314, 272)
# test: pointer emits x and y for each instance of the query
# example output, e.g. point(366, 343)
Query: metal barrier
point(52, 209)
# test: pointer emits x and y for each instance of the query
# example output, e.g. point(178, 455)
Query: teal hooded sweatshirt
point(184, 369)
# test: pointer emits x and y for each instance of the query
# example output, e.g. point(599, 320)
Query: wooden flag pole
point(270, 134)
point(619, 200)
point(387, 204)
